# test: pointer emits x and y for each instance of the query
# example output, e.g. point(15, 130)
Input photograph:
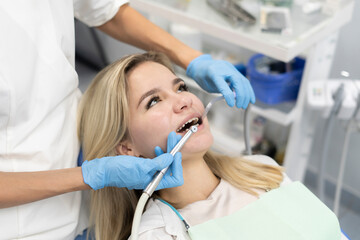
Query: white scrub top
point(38, 102)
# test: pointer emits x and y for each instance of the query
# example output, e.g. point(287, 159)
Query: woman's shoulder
point(269, 161)
point(160, 222)
point(262, 159)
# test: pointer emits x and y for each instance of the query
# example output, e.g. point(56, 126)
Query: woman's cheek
point(156, 136)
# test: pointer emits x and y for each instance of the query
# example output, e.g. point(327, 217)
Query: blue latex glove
point(134, 172)
point(218, 76)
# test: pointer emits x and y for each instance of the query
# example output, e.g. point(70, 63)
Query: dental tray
point(232, 11)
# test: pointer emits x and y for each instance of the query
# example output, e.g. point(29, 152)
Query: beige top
point(160, 222)
point(224, 200)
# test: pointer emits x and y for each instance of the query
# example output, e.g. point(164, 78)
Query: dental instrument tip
point(194, 129)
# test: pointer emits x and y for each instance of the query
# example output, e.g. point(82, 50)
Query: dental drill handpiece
point(149, 190)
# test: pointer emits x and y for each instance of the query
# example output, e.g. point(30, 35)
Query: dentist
point(39, 179)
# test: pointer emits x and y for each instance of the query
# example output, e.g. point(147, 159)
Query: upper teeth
point(194, 120)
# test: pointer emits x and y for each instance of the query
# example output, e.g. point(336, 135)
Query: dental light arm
point(149, 190)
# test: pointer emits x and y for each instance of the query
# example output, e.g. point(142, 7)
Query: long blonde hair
point(102, 124)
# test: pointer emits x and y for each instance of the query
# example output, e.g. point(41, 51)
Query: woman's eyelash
point(152, 101)
point(155, 99)
point(183, 87)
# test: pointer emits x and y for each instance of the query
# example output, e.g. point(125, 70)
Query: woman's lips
point(200, 126)
point(191, 122)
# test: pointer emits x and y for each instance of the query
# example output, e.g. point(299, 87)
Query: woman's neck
point(199, 183)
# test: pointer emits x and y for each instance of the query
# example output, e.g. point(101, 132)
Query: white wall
point(347, 56)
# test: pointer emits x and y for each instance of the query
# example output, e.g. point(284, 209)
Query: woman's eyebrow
point(155, 90)
point(148, 93)
point(177, 80)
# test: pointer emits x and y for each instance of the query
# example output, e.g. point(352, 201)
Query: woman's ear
point(125, 148)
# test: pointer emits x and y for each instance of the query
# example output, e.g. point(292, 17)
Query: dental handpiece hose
point(338, 99)
point(149, 190)
point(248, 149)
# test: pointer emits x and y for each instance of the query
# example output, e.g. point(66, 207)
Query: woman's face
point(160, 103)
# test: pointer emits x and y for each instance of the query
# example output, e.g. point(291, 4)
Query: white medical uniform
point(160, 222)
point(38, 101)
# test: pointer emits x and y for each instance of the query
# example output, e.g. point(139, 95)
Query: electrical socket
point(316, 95)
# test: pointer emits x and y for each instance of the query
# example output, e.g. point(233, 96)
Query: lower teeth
point(186, 130)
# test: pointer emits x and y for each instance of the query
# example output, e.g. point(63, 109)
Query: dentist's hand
point(218, 76)
point(134, 172)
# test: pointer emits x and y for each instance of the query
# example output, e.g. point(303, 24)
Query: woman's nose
point(182, 102)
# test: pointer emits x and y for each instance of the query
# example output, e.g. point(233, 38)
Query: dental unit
point(336, 99)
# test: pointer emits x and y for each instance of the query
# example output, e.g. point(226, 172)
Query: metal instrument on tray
point(232, 10)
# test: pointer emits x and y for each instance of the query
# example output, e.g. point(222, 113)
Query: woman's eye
point(154, 100)
point(183, 88)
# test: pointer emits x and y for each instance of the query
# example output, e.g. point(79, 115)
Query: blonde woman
point(131, 107)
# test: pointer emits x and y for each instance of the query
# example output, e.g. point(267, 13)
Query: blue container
point(273, 88)
point(241, 68)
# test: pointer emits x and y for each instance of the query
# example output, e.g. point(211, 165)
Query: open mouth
point(196, 121)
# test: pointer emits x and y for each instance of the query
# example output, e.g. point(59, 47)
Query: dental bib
point(290, 212)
